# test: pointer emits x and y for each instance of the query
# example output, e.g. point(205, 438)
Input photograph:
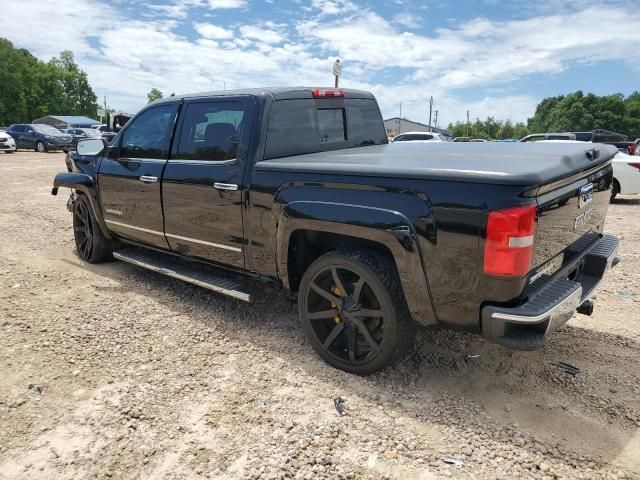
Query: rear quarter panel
point(448, 219)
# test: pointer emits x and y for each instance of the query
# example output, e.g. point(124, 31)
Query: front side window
point(534, 138)
point(149, 134)
point(211, 131)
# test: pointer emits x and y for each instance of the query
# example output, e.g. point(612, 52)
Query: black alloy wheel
point(351, 307)
point(91, 245)
point(83, 230)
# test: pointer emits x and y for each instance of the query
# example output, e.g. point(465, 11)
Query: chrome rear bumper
point(526, 326)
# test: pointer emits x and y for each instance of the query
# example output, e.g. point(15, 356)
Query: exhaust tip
point(586, 308)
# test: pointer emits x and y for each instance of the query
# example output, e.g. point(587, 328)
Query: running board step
point(188, 271)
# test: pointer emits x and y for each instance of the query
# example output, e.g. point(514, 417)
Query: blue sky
point(490, 57)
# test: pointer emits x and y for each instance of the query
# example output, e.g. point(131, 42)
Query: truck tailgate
point(571, 212)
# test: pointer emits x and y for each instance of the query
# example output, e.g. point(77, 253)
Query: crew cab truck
point(299, 187)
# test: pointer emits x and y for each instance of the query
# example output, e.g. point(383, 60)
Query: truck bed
point(497, 163)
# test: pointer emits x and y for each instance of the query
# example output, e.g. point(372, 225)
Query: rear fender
point(85, 184)
point(386, 227)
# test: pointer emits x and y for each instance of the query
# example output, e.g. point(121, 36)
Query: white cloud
point(214, 4)
point(407, 20)
point(133, 56)
point(333, 7)
point(261, 34)
point(208, 30)
point(483, 52)
point(55, 25)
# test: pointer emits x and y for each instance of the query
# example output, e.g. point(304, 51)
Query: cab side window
point(211, 131)
point(149, 134)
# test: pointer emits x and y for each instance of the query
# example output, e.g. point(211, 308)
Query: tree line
point(575, 112)
point(31, 88)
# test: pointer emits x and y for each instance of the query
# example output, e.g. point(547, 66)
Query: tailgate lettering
point(582, 219)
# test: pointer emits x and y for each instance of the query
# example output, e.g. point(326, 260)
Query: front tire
point(41, 147)
point(91, 245)
point(353, 311)
point(615, 190)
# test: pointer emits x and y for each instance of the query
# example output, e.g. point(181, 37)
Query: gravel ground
point(111, 371)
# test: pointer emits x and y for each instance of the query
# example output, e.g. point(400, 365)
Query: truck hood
point(527, 164)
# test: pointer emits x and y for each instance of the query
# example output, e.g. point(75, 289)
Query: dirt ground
point(111, 371)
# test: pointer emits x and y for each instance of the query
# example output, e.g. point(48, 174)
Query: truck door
point(130, 173)
point(201, 186)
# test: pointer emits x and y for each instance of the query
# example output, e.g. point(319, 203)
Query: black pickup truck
point(299, 187)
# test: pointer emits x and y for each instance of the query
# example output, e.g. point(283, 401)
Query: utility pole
point(400, 116)
point(106, 112)
point(435, 122)
point(337, 70)
point(467, 124)
point(430, 108)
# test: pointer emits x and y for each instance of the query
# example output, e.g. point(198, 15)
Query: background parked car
point(468, 139)
point(39, 137)
point(626, 172)
point(78, 134)
point(7, 144)
point(626, 175)
point(418, 137)
point(107, 133)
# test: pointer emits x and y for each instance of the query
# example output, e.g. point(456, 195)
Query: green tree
point(579, 112)
point(154, 94)
point(30, 88)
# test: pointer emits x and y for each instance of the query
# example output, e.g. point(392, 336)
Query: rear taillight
point(632, 149)
point(327, 92)
point(508, 250)
point(634, 165)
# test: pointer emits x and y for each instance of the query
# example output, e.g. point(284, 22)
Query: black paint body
point(403, 198)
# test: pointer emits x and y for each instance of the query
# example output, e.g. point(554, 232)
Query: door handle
point(225, 186)
point(148, 179)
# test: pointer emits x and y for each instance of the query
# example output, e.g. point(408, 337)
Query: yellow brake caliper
point(336, 291)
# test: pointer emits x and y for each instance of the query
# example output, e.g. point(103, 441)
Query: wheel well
point(617, 183)
point(307, 245)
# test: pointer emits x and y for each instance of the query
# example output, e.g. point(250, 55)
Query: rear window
point(304, 126)
point(414, 136)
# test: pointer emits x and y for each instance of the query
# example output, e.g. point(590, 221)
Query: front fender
point(386, 227)
point(85, 184)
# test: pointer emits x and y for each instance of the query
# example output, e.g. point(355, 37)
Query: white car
point(418, 137)
point(7, 144)
point(626, 172)
point(626, 175)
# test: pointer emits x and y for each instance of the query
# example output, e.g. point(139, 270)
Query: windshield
point(91, 132)
point(47, 129)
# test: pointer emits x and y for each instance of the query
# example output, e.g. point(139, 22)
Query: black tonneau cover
point(528, 164)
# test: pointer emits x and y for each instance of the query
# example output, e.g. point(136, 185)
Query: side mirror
point(91, 146)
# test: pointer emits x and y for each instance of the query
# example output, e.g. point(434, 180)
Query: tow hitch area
point(527, 326)
point(586, 308)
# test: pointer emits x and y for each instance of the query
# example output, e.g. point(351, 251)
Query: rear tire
point(615, 190)
point(91, 245)
point(352, 309)
point(41, 147)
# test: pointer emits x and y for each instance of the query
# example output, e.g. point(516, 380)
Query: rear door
point(201, 187)
point(130, 173)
